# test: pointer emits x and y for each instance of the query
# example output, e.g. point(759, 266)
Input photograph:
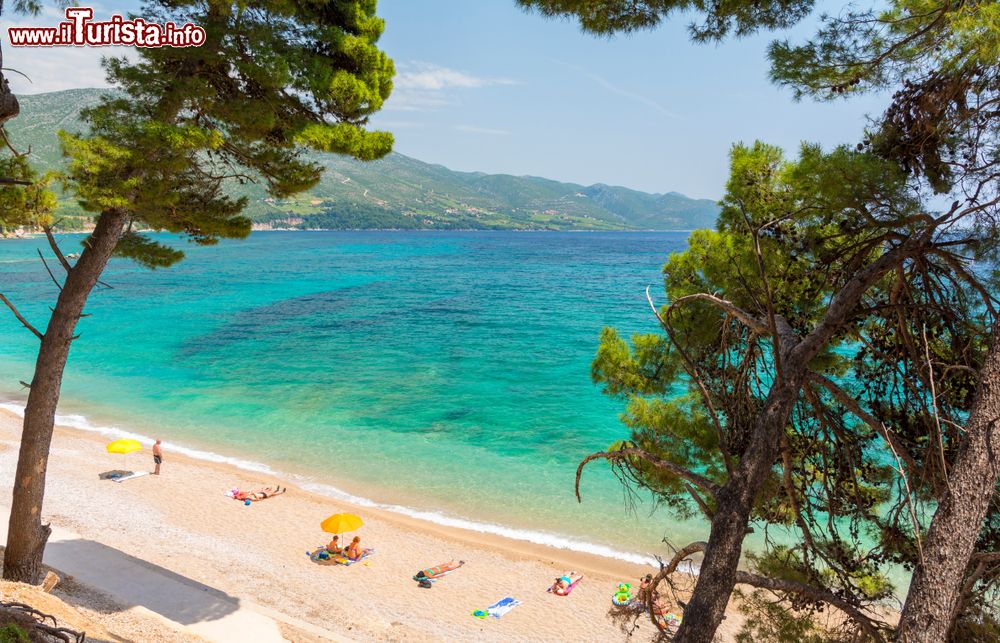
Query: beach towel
point(569, 589)
point(347, 562)
point(131, 476)
point(502, 606)
point(114, 474)
point(321, 556)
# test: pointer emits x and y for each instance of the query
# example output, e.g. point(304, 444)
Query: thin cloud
point(615, 89)
point(394, 124)
point(423, 86)
point(431, 77)
point(482, 130)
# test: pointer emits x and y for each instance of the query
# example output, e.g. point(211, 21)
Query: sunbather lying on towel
point(260, 494)
point(565, 583)
point(433, 573)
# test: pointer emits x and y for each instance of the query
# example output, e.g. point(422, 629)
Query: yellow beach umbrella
point(341, 523)
point(124, 447)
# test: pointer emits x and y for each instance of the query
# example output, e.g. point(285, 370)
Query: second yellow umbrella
point(341, 523)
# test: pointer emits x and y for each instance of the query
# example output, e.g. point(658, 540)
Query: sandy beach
point(181, 521)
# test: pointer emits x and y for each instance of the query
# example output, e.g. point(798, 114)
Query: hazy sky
point(482, 85)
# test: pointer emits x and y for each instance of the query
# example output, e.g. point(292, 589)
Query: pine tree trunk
point(9, 107)
point(936, 584)
point(717, 576)
point(27, 535)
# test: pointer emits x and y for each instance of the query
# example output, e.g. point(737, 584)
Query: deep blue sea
point(444, 374)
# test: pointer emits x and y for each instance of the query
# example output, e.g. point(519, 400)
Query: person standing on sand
point(157, 457)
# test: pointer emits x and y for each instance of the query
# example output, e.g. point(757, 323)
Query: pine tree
point(272, 79)
point(941, 129)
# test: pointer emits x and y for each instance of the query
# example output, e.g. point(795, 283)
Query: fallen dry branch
point(32, 619)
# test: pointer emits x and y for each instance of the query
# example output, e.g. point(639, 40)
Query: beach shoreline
point(192, 529)
point(338, 490)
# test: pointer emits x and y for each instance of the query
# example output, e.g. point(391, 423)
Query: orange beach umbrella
point(341, 523)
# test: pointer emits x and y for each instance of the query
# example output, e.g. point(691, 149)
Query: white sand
point(182, 523)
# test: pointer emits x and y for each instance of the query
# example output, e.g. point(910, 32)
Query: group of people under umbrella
point(339, 524)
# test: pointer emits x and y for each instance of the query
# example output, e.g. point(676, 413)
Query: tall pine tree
point(273, 79)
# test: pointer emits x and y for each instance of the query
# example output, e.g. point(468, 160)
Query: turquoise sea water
point(445, 373)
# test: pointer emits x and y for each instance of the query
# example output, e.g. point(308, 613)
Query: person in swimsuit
point(645, 585)
point(354, 550)
point(564, 582)
point(261, 494)
point(334, 547)
point(440, 570)
point(157, 457)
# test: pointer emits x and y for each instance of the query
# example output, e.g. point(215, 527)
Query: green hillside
point(402, 192)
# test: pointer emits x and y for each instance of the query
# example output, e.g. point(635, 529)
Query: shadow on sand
point(131, 581)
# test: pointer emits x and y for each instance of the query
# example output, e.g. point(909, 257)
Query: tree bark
point(735, 499)
point(9, 107)
point(26, 536)
point(734, 502)
point(937, 583)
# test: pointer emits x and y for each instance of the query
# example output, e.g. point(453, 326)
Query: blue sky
point(485, 86)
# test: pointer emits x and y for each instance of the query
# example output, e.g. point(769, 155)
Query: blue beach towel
point(501, 607)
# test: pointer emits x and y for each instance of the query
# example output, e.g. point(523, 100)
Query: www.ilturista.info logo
point(79, 30)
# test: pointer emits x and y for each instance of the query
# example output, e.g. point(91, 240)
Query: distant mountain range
point(402, 192)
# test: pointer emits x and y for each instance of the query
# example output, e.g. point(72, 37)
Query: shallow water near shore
point(444, 374)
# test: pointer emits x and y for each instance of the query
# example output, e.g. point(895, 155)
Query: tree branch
point(62, 258)
point(898, 451)
point(692, 548)
point(867, 623)
point(693, 371)
point(665, 571)
point(768, 298)
point(699, 481)
point(987, 556)
point(748, 320)
point(20, 318)
point(851, 404)
point(966, 276)
point(55, 248)
point(3, 133)
point(847, 297)
point(934, 408)
point(49, 270)
point(699, 501)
